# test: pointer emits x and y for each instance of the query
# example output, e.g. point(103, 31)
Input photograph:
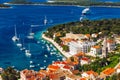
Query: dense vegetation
point(101, 64)
point(68, 2)
point(84, 3)
point(20, 2)
point(10, 74)
point(114, 77)
point(107, 27)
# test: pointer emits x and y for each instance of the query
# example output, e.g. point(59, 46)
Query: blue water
point(25, 16)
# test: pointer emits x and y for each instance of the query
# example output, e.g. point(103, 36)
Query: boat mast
point(15, 31)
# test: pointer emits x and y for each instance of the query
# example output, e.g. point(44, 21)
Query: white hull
point(15, 38)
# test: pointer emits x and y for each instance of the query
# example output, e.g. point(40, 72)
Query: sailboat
point(45, 20)
point(27, 52)
point(31, 34)
point(23, 46)
point(19, 44)
point(86, 11)
point(15, 38)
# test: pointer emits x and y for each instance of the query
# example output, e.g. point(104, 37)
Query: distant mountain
point(20, 2)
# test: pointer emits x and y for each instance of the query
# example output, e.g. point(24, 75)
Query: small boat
point(15, 38)
point(19, 44)
point(45, 20)
point(32, 66)
point(42, 68)
point(86, 11)
point(46, 55)
point(58, 59)
point(31, 34)
point(23, 45)
point(44, 60)
point(63, 59)
point(31, 62)
point(27, 52)
point(22, 48)
point(38, 64)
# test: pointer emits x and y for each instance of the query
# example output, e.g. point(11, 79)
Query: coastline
point(65, 54)
point(62, 5)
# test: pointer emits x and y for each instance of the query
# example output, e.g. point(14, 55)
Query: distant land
point(84, 2)
point(20, 2)
point(68, 2)
point(4, 6)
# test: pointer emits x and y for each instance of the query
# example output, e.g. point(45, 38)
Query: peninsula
point(92, 49)
point(4, 6)
point(67, 2)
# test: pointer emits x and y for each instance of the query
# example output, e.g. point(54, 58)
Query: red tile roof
point(67, 67)
point(53, 67)
point(92, 72)
point(85, 59)
point(108, 71)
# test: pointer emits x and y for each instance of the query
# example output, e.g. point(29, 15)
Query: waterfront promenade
point(66, 54)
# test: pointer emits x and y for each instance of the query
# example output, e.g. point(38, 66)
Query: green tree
point(65, 48)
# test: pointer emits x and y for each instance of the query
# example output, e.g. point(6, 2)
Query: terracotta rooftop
point(67, 67)
point(80, 54)
point(66, 39)
point(57, 34)
point(108, 71)
point(83, 79)
point(75, 71)
point(88, 35)
point(53, 67)
point(110, 41)
point(92, 72)
point(97, 47)
point(85, 59)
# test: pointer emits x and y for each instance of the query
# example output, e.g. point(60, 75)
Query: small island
point(4, 6)
point(67, 2)
point(19, 2)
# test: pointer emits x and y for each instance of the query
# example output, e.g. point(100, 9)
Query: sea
point(31, 17)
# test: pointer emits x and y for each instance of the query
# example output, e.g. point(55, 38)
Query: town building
point(110, 45)
point(96, 50)
point(84, 60)
point(80, 46)
point(1, 70)
point(104, 48)
point(90, 75)
point(106, 73)
point(118, 69)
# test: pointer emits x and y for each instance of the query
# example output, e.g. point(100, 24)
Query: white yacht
point(45, 20)
point(27, 52)
point(31, 62)
point(46, 55)
point(85, 11)
point(23, 46)
point(15, 38)
point(32, 66)
point(31, 34)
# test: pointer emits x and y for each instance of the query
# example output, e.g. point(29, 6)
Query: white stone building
point(80, 46)
point(96, 50)
point(110, 45)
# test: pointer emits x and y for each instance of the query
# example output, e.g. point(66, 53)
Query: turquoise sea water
point(23, 16)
